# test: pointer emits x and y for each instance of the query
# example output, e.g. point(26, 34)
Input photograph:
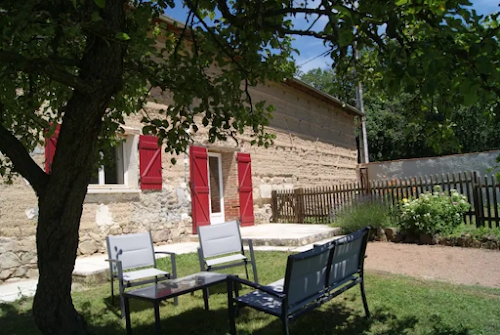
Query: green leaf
point(345, 37)
point(122, 36)
point(343, 10)
point(470, 98)
point(100, 3)
point(401, 2)
point(95, 16)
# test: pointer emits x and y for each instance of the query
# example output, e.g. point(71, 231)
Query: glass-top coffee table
point(157, 292)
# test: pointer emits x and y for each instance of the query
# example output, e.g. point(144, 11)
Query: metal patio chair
point(221, 247)
point(312, 278)
point(135, 251)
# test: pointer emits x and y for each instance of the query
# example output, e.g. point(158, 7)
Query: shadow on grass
point(337, 319)
point(113, 306)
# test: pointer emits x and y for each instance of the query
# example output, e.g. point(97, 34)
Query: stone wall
point(314, 145)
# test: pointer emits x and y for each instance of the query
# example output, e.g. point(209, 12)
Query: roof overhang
point(300, 85)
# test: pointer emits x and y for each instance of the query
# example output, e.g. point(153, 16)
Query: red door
point(245, 189)
point(199, 187)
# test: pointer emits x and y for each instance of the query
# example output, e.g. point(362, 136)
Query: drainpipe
point(186, 161)
point(360, 105)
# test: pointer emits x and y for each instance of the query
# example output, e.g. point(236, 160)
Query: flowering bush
point(433, 213)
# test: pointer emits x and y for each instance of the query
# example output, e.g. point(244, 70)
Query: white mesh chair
point(312, 278)
point(221, 247)
point(135, 251)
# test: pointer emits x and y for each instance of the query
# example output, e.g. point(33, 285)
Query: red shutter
point(199, 187)
point(245, 189)
point(150, 163)
point(50, 149)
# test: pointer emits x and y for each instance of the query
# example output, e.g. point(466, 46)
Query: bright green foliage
point(406, 125)
point(431, 85)
point(433, 213)
point(365, 213)
point(476, 233)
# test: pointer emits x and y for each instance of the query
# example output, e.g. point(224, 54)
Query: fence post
point(274, 205)
point(299, 212)
point(478, 203)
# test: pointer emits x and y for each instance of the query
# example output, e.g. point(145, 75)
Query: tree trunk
point(61, 207)
point(61, 201)
point(57, 239)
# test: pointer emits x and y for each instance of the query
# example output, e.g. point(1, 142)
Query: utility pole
point(360, 105)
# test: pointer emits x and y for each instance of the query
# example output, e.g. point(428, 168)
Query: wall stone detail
point(17, 258)
point(314, 145)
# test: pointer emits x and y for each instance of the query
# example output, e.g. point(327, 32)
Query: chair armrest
point(172, 260)
point(256, 286)
point(118, 267)
point(248, 241)
point(113, 260)
point(165, 252)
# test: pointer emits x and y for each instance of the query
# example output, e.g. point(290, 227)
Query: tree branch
point(23, 163)
point(49, 67)
point(306, 11)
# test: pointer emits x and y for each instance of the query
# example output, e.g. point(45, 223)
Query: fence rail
point(323, 204)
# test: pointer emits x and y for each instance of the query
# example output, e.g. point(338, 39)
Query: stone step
point(283, 235)
point(265, 237)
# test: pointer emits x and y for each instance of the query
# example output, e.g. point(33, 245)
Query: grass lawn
point(399, 305)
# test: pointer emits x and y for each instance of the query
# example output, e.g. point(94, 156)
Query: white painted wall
point(404, 168)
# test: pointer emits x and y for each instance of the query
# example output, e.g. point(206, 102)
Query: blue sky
point(310, 47)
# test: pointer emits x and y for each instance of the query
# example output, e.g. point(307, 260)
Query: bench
point(312, 278)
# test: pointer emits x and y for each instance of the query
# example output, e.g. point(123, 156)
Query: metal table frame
point(156, 301)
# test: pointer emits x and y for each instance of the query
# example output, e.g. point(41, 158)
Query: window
point(120, 174)
point(113, 173)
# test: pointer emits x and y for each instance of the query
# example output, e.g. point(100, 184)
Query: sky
point(310, 48)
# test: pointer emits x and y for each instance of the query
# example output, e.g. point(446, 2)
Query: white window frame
point(219, 217)
point(101, 176)
point(130, 161)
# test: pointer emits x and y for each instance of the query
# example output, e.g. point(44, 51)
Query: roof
point(299, 84)
point(294, 82)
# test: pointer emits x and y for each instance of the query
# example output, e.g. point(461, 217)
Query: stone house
point(142, 190)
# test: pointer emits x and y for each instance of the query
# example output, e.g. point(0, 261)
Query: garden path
point(466, 266)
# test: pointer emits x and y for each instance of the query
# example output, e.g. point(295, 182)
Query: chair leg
point(254, 270)
point(363, 296)
point(122, 304)
point(284, 324)
point(112, 290)
point(254, 265)
point(246, 270)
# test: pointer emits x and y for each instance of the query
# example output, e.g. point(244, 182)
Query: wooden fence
point(323, 204)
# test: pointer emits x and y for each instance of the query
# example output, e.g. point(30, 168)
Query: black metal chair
point(312, 278)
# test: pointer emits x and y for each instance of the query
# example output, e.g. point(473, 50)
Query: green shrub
point(433, 213)
point(474, 232)
point(368, 213)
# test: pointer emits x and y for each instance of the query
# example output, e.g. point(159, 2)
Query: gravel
point(465, 266)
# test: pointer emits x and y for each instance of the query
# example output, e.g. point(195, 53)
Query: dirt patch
point(456, 265)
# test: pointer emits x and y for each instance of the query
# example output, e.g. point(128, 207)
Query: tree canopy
point(404, 125)
point(87, 64)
